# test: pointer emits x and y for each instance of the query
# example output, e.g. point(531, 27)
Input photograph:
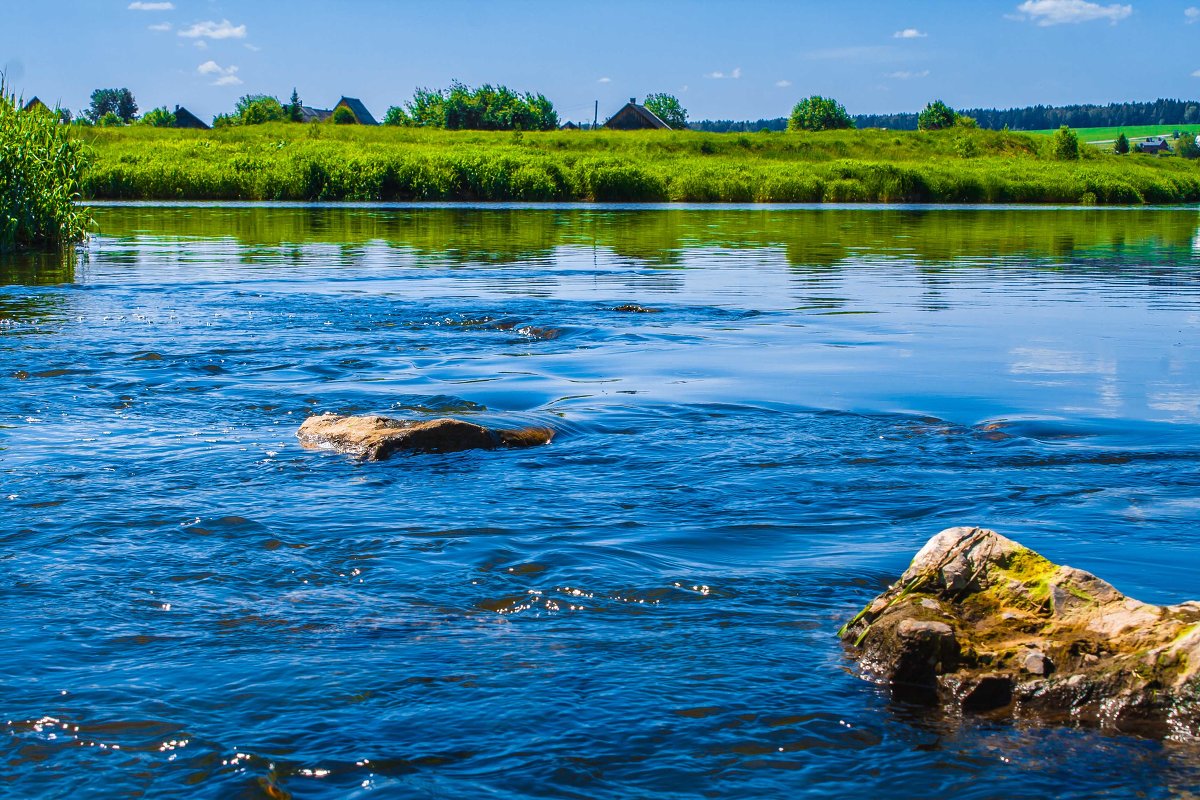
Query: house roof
point(358, 109)
point(186, 119)
point(35, 103)
point(309, 114)
point(638, 114)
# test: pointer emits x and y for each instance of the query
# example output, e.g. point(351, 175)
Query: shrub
point(397, 116)
point(343, 116)
point(110, 120)
point(819, 113)
point(258, 109)
point(965, 147)
point(936, 116)
point(1188, 148)
point(1122, 145)
point(158, 118)
point(41, 169)
point(1065, 145)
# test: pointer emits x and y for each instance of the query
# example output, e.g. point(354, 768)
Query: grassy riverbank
point(322, 162)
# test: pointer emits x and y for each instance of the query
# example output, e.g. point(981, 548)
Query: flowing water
point(193, 605)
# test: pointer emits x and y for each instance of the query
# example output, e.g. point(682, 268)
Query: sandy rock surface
point(375, 438)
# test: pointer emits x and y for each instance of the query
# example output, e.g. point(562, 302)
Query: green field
point(1132, 131)
point(324, 162)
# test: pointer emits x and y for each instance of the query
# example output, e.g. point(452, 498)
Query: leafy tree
point(1122, 145)
point(295, 108)
point(225, 121)
point(64, 116)
point(819, 113)
point(1187, 147)
point(126, 107)
point(343, 116)
point(1065, 145)
point(963, 121)
point(116, 101)
point(488, 108)
point(936, 116)
point(257, 109)
point(158, 118)
point(667, 108)
point(397, 116)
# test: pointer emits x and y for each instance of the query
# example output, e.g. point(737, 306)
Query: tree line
point(1031, 118)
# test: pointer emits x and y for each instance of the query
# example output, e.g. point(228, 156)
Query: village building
point(1155, 145)
point(36, 105)
point(186, 119)
point(309, 114)
point(356, 107)
point(633, 117)
point(568, 126)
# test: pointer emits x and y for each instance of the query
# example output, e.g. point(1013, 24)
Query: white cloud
point(215, 30)
point(783, 84)
point(909, 33)
point(224, 76)
point(1192, 14)
point(734, 75)
point(1196, 74)
point(138, 6)
point(200, 44)
point(1058, 12)
point(604, 80)
point(905, 75)
point(253, 48)
point(160, 27)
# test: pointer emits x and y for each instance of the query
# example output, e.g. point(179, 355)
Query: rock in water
point(375, 438)
point(981, 624)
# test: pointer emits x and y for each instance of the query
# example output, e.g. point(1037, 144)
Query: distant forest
point(1032, 118)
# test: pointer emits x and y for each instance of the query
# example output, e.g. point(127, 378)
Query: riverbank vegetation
point(325, 162)
point(41, 170)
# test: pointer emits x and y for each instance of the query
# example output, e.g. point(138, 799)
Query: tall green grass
point(317, 162)
point(41, 172)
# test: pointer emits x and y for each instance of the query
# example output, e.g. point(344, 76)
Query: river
point(196, 606)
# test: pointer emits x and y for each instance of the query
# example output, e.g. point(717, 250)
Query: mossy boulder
point(374, 438)
point(979, 624)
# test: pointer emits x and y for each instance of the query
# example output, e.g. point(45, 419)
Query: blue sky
point(739, 60)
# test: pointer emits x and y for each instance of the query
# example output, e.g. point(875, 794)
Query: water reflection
point(810, 238)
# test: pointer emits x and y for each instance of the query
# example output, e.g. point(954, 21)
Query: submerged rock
point(374, 438)
point(633, 308)
point(980, 624)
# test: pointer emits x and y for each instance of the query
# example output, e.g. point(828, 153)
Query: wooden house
point(633, 117)
point(568, 126)
point(36, 105)
point(356, 107)
point(1155, 144)
point(186, 119)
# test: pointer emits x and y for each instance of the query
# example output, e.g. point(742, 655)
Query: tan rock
point(375, 438)
point(1009, 633)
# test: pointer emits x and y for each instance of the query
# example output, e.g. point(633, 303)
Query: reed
point(318, 162)
point(41, 174)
